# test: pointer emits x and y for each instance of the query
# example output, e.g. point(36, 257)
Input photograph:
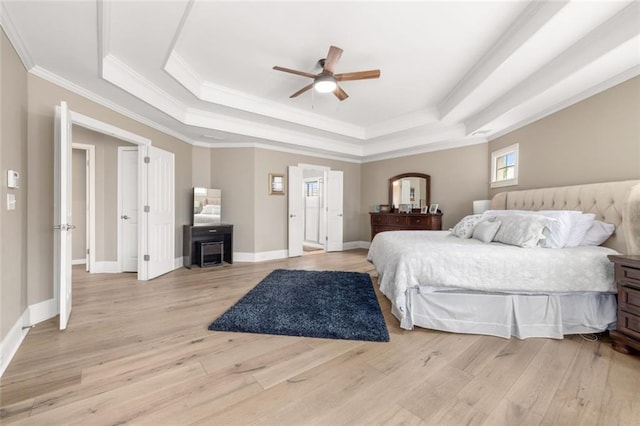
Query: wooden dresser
point(626, 337)
point(405, 222)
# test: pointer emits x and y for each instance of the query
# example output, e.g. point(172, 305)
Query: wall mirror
point(410, 188)
point(206, 206)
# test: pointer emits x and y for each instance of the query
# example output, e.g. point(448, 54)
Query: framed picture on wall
point(276, 184)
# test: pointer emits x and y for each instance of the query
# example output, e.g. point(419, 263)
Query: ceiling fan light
point(324, 84)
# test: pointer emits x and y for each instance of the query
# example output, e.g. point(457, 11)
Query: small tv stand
point(193, 235)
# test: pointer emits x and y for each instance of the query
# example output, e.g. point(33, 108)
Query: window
point(311, 188)
point(504, 167)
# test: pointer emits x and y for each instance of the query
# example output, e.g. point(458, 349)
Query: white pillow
point(581, 224)
point(558, 232)
point(486, 230)
point(598, 233)
point(464, 228)
point(523, 230)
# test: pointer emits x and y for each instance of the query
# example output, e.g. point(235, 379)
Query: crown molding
point(594, 90)
point(433, 147)
point(178, 68)
point(81, 91)
point(617, 30)
point(289, 150)
point(534, 17)
point(402, 142)
point(14, 37)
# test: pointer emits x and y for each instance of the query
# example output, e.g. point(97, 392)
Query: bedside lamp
point(481, 206)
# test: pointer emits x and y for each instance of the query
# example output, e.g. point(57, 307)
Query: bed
point(439, 281)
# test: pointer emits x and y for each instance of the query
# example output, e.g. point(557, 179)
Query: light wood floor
point(141, 353)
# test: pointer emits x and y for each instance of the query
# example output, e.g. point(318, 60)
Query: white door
point(157, 204)
point(62, 213)
point(295, 218)
point(128, 208)
point(334, 210)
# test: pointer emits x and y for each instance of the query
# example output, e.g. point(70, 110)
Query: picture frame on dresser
point(424, 209)
point(433, 208)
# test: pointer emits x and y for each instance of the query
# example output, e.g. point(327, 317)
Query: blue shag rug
point(326, 304)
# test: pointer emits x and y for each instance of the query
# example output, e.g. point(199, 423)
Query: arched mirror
point(410, 188)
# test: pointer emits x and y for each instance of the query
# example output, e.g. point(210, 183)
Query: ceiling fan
point(326, 81)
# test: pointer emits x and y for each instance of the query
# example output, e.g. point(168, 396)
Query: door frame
point(142, 142)
point(325, 195)
point(90, 185)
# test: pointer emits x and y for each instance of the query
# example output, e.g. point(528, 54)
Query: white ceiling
point(452, 73)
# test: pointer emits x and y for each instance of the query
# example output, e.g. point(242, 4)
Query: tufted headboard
point(612, 202)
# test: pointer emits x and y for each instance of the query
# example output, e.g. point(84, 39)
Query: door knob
point(124, 216)
point(292, 215)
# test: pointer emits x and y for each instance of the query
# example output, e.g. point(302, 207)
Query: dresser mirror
point(412, 189)
point(206, 206)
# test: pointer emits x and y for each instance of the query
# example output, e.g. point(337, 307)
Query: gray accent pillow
point(523, 230)
point(485, 231)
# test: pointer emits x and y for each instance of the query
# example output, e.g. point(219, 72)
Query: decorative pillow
point(486, 230)
point(598, 233)
point(523, 230)
point(464, 228)
point(558, 232)
point(581, 225)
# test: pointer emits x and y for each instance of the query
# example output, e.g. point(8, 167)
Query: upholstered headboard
point(612, 202)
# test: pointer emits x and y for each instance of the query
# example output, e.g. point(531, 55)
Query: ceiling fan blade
point(301, 91)
point(332, 59)
point(358, 75)
point(301, 73)
point(340, 94)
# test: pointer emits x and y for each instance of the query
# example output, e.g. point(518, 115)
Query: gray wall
point(458, 176)
point(596, 140)
point(13, 156)
point(260, 219)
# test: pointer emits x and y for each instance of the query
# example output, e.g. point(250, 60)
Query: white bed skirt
point(506, 315)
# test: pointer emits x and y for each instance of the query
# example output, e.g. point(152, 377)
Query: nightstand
point(626, 337)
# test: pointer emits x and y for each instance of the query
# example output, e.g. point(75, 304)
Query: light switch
point(11, 201)
point(13, 179)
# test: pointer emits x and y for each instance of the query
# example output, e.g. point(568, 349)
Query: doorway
point(127, 218)
point(315, 216)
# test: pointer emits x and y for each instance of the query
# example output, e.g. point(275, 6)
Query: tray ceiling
point(452, 73)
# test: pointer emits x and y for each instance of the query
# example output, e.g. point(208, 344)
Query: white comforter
point(435, 259)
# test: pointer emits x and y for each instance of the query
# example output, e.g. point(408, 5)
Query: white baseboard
point(42, 311)
point(106, 268)
point(283, 254)
point(260, 256)
point(11, 342)
point(351, 245)
point(178, 263)
point(79, 262)
point(34, 314)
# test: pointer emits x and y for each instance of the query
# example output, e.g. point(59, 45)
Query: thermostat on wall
point(13, 179)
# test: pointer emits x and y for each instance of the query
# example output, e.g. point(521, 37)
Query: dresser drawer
point(630, 275)
point(629, 324)
point(418, 222)
point(377, 219)
point(201, 231)
point(629, 299)
point(398, 220)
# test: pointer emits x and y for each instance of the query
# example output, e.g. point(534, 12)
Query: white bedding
point(436, 260)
